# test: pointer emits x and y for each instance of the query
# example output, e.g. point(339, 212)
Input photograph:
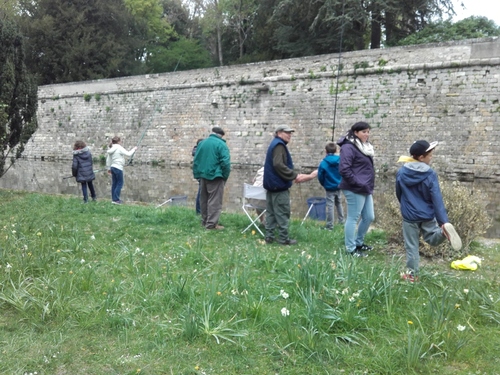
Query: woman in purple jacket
point(358, 180)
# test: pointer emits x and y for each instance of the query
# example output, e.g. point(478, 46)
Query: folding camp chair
point(254, 197)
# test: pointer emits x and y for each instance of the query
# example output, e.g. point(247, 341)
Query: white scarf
point(366, 147)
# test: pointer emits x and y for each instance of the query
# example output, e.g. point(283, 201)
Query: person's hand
point(109, 171)
point(300, 178)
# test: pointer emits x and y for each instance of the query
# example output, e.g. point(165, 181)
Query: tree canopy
point(469, 28)
point(91, 39)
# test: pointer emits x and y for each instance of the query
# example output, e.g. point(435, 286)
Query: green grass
point(105, 289)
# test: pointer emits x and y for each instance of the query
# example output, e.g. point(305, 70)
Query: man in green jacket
point(212, 165)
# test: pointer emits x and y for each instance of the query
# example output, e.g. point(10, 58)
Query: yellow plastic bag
point(470, 262)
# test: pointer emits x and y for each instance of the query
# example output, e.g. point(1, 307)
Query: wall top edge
point(257, 82)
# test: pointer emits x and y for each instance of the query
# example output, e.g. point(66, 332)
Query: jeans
point(84, 190)
point(333, 198)
point(116, 183)
point(431, 233)
point(358, 205)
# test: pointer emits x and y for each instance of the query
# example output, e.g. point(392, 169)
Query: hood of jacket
point(113, 148)
point(332, 160)
point(83, 153)
point(414, 173)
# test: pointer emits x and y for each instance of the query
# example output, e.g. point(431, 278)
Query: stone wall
point(446, 92)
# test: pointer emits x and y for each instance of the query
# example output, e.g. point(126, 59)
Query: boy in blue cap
point(422, 207)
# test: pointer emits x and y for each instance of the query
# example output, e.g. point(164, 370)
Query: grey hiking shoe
point(357, 254)
point(451, 234)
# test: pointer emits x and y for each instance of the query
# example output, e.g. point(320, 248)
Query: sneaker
point(451, 234)
point(289, 242)
point(410, 277)
point(94, 199)
point(116, 202)
point(364, 248)
point(357, 254)
point(269, 240)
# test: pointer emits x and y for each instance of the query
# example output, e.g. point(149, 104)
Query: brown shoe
point(217, 227)
point(289, 242)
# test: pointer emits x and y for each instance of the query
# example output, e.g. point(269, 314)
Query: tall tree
point(240, 16)
point(80, 40)
point(18, 96)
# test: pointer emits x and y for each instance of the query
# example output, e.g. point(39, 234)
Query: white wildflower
point(285, 311)
point(92, 237)
point(284, 294)
point(461, 328)
point(466, 291)
point(82, 261)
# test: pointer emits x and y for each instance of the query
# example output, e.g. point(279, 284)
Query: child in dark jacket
point(422, 207)
point(83, 169)
point(329, 177)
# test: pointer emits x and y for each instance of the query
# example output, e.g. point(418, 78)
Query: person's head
point(79, 145)
point(115, 140)
point(422, 151)
point(284, 132)
point(330, 148)
point(218, 130)
point(361, 130)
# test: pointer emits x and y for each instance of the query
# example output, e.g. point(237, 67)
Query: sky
point(486, 8)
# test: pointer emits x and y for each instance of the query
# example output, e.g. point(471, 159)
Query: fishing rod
point(140, 139)
point(95, 171)
point(338, 71)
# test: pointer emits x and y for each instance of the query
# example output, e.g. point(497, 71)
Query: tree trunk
point(376, 27)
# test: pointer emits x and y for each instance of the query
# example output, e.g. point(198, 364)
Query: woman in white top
point(115, 161)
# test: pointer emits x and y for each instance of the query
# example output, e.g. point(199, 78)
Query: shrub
point(466, 211)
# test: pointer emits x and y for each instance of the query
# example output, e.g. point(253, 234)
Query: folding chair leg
point(254, 222)
point(307, 214)
point(167, 201)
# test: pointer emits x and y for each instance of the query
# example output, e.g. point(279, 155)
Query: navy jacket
point(356, 169)
point(419, 195)
point(328, 172)
point(272, 180)
point(83, 168)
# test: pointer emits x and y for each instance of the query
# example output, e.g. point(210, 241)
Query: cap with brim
point(218, 130)
point(421, 147)
point(283, 128)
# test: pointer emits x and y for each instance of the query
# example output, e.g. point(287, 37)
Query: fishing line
point(338, 70)
point(145, 130)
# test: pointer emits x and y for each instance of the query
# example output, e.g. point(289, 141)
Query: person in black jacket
point(83, 169)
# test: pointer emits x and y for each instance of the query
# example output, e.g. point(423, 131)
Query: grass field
point(103, 289)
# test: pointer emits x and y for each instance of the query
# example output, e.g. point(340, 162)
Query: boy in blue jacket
point(329, 177)
point(422, 207)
